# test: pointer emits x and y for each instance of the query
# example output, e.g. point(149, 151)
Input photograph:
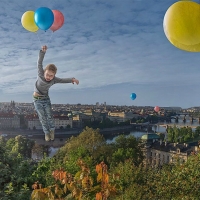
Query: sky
point(113, 47)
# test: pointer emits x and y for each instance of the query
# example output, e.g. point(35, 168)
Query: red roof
point(6, 114)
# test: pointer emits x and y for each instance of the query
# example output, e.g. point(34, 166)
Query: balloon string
point(50, 37)
point(39, 39)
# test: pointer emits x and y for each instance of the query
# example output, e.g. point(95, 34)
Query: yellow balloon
point(182, 25)
point(28, 21)
point(190, 48)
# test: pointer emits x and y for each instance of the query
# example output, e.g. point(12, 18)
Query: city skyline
point(114, 48)
point(13, 103)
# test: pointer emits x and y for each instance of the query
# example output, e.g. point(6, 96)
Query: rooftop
point(150, 136)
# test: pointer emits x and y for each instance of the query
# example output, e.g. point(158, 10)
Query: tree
point(22, 146)
point(126, 148)
point(78, 186)
point(39, 151)
point(43, 171)
point(16, 171)
point(90, 146)
point(90, 139)
point(197, 130)
point(68, 126)
point(131, 181)
point(69, 160)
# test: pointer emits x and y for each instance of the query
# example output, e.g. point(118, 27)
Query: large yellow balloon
point(182, 25)
point(28, 22)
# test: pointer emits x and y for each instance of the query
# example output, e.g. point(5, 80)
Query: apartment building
point(8, 120)
point(77, 120)
point(89, 115)
point(158, 153)
point(61, 122)
point(119, 116)
point(32, 122)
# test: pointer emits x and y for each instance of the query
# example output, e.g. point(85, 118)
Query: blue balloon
point(44, 18)
point(133, 96)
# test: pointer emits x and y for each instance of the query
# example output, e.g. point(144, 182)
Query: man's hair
point(51, 67)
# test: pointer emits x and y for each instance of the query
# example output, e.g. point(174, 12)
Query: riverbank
point(61, 137)
point(57, 143)
point(60, 132)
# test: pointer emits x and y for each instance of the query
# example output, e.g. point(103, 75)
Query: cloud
point(105, 44)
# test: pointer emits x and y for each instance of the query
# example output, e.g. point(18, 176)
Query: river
point(138, 133)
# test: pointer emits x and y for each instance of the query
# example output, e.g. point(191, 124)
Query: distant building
point(12, 104)
point(32, 122)
point(9, 120)
point(88, 112)
point(119, 116)
point(158, 153)
point(175, 109)
point(150, 138)
point(61, 122)
point(77, 120)
point(89, 115)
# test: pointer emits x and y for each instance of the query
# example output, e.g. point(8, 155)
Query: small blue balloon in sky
point(44, 18)
point(133, 96)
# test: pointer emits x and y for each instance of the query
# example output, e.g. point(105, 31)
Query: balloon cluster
point(43, 18)
point(182, 25)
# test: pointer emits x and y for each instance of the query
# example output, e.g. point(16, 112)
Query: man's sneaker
point(52, 134)
point(47, 137)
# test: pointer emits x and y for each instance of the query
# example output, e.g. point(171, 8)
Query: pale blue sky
point(114, 48)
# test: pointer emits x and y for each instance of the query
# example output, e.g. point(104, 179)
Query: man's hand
point(44, 48)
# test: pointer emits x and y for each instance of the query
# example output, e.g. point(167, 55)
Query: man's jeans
point(43, 109)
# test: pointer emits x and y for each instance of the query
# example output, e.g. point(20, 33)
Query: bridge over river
point(148, 126)
point(193, 126)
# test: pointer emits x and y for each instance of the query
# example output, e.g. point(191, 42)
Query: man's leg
point(50, 119)
point(40, 109)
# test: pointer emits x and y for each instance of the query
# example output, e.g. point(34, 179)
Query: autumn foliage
point(120, 176)
point(77, 186)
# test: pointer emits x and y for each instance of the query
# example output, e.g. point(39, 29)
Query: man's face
point(49, 75)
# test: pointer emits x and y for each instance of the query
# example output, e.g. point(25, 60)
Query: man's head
point(49, 72)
